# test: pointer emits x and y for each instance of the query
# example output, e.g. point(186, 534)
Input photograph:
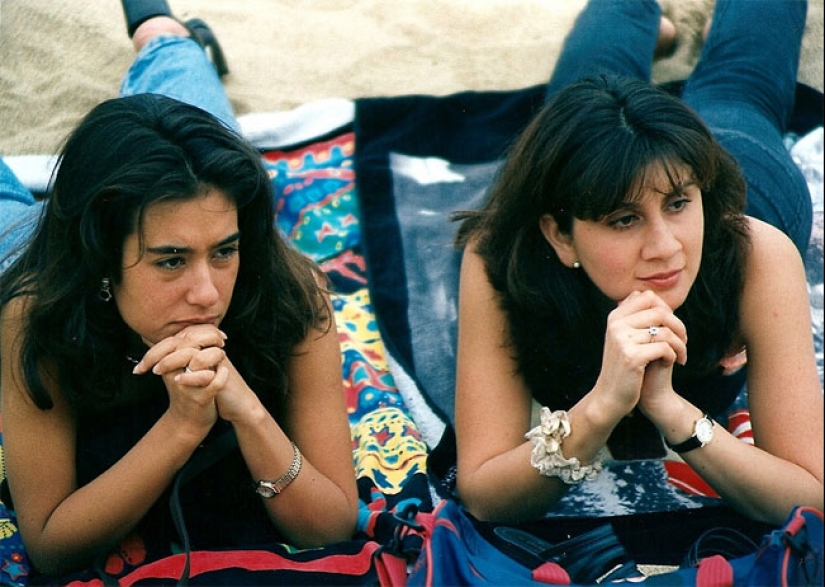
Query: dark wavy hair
point(125, 155)
point(584, 154)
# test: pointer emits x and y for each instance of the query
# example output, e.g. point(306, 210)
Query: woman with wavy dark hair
point(155, 307)
point(634, 246)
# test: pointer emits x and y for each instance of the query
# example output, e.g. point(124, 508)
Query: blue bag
point(456, 553)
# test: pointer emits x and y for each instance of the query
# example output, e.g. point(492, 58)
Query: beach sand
point(59, 59)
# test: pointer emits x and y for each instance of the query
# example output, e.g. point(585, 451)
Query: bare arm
point(785, 468)
point(320, 507)
point(493, 407)
point(64, 526)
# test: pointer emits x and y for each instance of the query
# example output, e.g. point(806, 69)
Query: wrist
point(253, 415)
point(241, 408)
point(703, 430)
point(548, 443)
point(601, 412)
point(677, 421)
point(181, 436)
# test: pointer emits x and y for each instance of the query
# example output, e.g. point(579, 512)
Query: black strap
point(204, 457)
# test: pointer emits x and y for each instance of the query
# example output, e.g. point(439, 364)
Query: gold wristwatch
point(702, 434)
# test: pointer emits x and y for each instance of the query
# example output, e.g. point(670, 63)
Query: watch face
point(265, 490)
point(704, 430)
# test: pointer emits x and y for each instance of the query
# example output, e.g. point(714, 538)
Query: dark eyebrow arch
point(172, 250)
point(679, 188)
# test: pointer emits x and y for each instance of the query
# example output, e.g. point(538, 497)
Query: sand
point(59, 59)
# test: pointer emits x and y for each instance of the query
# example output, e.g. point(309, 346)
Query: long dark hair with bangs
point(125, 155)
point(584, 155)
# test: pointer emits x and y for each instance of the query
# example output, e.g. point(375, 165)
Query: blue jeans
point(743, 87)
point(174, 66)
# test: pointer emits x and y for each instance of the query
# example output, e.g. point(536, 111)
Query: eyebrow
point(676, 188)
point(173, 250)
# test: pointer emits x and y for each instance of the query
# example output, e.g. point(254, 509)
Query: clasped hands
point(643, 340)
point(198, 375)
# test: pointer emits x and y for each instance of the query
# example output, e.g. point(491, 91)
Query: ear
point(561, 242)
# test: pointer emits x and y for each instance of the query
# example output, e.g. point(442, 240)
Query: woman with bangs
point(635, 269)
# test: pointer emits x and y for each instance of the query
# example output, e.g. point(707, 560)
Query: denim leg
point(744, 87)
point(19, 212)
point(609, 36)
point(179, 68)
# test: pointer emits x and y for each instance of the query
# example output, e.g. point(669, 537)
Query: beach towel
point(365, 188)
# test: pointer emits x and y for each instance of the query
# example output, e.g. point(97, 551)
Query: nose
point(202, 289)
point(661, 242)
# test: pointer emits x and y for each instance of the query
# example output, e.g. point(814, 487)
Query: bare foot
point(666, 41)
point(156, 26)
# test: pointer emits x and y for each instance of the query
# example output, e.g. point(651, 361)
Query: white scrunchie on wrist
point(546, 456)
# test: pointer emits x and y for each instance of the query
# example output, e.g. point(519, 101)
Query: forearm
point(96, 516)
point(756, 483)
point(509, 488)
point(753, 481)
point(313, 510)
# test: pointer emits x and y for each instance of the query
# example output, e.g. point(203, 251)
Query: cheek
point(610, 260)
point(143, 304)
point(226, 281)
point(610, 269)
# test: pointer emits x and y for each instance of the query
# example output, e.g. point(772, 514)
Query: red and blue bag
point(456, 553)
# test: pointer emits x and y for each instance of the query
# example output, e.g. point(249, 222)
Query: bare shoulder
point(775, 287)
point(14, 310)
point(12, 319)
point(772, 253)
point(472, 263)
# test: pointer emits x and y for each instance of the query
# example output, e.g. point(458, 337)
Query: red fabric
point(201, 562)
point(714, 571)
point(685, 478)
point(552, 574)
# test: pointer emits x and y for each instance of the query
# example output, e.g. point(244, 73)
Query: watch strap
point(691, 443)
point(271, 488)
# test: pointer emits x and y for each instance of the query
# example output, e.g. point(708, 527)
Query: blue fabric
point(744, 88)
point(18, 214)
point(176, 67)
point(609, 36)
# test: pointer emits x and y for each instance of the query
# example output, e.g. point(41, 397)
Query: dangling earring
point(105, 293)
point(576, 264)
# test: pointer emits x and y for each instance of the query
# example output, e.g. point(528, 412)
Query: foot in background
point(147, 19)
point(666, 41)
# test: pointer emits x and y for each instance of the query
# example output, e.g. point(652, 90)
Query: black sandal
point(204, 36)
point(139, 11)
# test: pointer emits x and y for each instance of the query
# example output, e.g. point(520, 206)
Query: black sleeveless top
point(220, 506)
